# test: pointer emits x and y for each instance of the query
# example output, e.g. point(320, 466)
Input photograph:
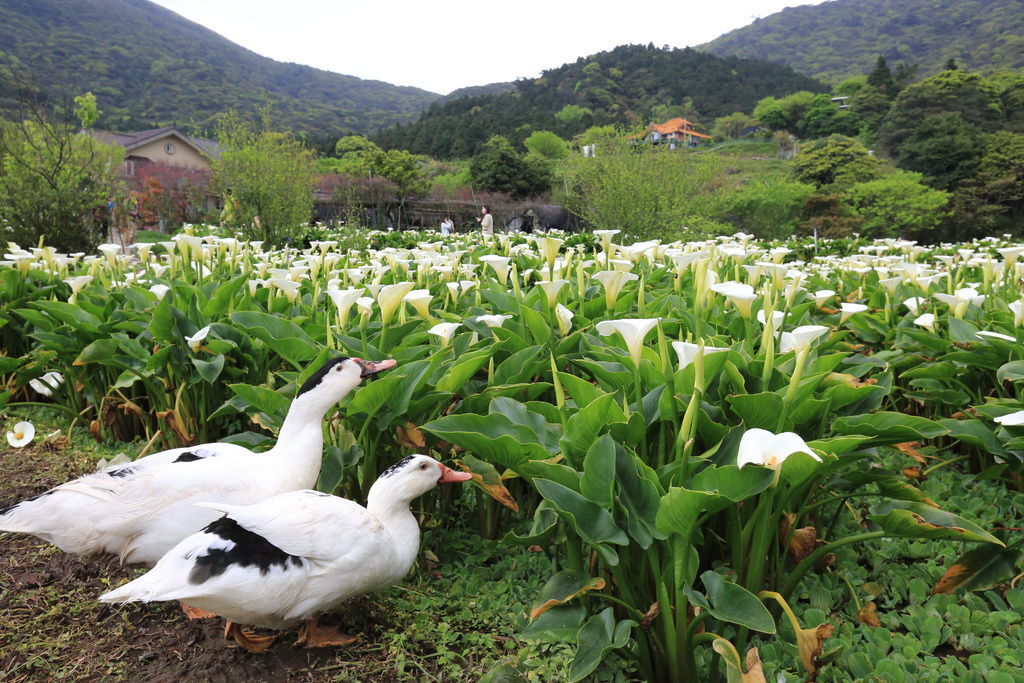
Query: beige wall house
point(167, 146)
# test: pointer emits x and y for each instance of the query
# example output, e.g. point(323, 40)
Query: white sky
point(448, 44)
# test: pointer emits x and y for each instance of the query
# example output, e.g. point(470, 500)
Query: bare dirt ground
point(52, 627)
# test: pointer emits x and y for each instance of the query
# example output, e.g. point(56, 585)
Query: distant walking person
point(447, 226)
point(487, 221)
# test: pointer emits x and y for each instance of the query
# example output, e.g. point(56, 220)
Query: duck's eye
point(338, 368)
point(423, 466)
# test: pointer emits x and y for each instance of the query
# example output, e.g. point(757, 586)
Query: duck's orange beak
point(373, 367)
point(450, 476)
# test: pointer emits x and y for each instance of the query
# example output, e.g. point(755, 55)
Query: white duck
point(143, 509)
point(293, 556)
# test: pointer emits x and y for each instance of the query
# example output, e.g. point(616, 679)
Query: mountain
point(843, 38)
point(474, 90)
point(628, 85)
point(150, 67)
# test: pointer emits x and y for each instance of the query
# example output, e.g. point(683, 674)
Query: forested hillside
point(628, 85)
point(842, 38)
point(148, 66)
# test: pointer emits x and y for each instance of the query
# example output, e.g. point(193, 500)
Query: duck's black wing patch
point(119, 472)
point(197, 454)
point(8, 508)
point(246, 549)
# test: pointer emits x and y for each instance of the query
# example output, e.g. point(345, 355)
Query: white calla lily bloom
point(995, 335)
point(688, 351)
point(761, 447)
point(196, 340)
point(632, 331)
point(420, 300)
point(613, 281)
point(551, 289)
point(343, 300)
point(848, 310)
point(800, 338)
point(1017, 308)
point(961, 299)
point(777, 318)
point(741, 295)
point(160, 291)
point(926, 320)
point(493, 320)
point(444, 331)
point(1011, 419)
point(821, 296)
point(21, 435)
point(45, 385)
point(500, 265)
point(390, 297)
point(289, 287)
point(564, 317)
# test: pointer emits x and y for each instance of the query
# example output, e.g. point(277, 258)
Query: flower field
point(709, 442)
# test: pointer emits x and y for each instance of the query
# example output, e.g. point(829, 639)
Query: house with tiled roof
point(167, 146)
point(674, 132)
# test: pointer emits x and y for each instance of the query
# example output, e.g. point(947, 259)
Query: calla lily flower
point(420, 300)
point(110, 251)
point(76, 284)
point(493, 320)
point(891, 284)
point(613, 281)
point(1009, 420)
point(961, 299)
point(548, 248)
point(289, 287)
point(688, 351)
point(444, 331)
point(21, 435)
point(190, 245)
point(500, 264)
point(777, 318)
point(606, 238)
point(1017, 308)
point(364, 305)
point(632, 330)
point(390, 298)
point(45, 385)
point(847, 310)
point(761, 447)
point(995, 335)
point(913, 303)
point(739, 294)
point(551, 289)
point(343, 300)
point(564, 317)
point(196, 340)
point(160, 291)
point(800, 339)
point(821, 296)
point(926, 320)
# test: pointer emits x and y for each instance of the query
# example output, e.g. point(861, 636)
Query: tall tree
point(881, 78)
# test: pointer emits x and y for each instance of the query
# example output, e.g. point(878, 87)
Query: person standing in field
point(486, 221)
point(447, 225)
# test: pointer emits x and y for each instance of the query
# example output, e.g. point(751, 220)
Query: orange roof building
point(674, 130)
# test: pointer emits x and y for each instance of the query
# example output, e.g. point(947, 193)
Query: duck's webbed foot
point(247, 639)
point(312, 634)
point(194, 612)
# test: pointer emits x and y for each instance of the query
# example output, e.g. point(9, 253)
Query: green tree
point(52, 179)
point(976, 99)
point(87, 112)
point(647, 192)
point(898, 205)
point(824, 118)
point(993, 199)
point(499, 168)
point(770, 209)
point(836, 160)
point(881, 78)
point(944, 146)
point(871, 105)
point(547, 145)
point(784, 113)
point(353, 144)
point(269, 174)
point(731, 126)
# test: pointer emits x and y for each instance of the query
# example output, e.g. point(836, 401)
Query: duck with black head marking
point(140, 510)
point(292, 557)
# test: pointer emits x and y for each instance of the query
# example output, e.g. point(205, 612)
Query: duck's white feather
point(335, 550)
